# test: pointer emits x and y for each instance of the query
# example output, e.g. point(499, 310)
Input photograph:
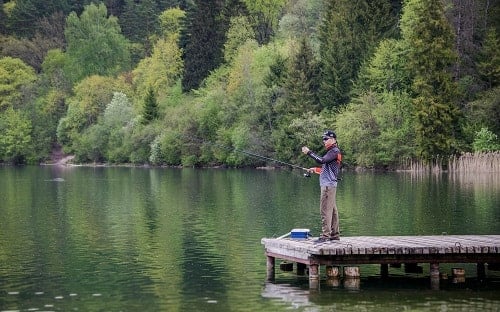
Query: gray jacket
point(330, 166)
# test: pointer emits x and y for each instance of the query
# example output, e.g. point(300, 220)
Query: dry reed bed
point(467, 163)
point(477, 162)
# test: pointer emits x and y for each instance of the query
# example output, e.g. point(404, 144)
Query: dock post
point(270, 268)
point(481, 271)
point(351, 272)
point(351, 278)
point(458, 275)
point(384, 270)
point(332, 271)
point(434, 272)
point(314, 276)
point(301, 268)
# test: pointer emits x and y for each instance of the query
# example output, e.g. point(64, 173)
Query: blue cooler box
point(300, 234)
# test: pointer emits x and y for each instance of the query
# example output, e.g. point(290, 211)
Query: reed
point(475, 162)
point(466, 163)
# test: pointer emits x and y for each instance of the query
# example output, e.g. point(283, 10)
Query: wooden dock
point(384, 250)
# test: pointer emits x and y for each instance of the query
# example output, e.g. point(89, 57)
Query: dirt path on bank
point(58, 158)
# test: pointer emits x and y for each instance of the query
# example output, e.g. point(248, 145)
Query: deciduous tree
point(15, 136)
point(95, 44)
point(266, 15)
point(14, 76)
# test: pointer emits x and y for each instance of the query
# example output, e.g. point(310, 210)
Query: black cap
point(329, 134)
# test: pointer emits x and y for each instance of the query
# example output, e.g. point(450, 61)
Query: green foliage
point(48, 35)
point(301, 83)
point(112, 137)
point(203, 51)
point(386, 70)
point(150, 111)
point(90, 146)
point(118, 121)
point(377, 130)
point(14, 76)
point(3, 18)
point(91, 96)
point(239, 32)
point(44, 116)
point(484, 112)
point(387, 99)
point(429, 40)
point(165, 149)
point(52, 91)
point(105, 140)
point(15, 137)
point(489, 59)
point(348, 35)
point(172, 21)
point(53, 71)
point(25, 13)
point(302, 130)
point(267, 14)
point(394, 116)
point(161, 70)
point(139, 20)
point(118, 112)
point(302, 19)
point(486, 141)
point(95, 45)
point(139, 143)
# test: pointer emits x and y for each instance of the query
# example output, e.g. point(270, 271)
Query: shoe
point(321, 240)
point(334, 238)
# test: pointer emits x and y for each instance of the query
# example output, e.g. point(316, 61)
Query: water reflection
point(189, 239)
point(394, 294)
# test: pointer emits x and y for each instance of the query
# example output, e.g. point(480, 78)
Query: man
point(328, 174)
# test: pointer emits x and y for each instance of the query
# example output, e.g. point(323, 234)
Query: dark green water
point(137, 239)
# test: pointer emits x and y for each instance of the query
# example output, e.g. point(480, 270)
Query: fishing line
point(306, 174)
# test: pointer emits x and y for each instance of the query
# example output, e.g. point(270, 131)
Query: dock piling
point(332, 271)
point(270, 268)
point(313, 276)
point(385, 251)
point(434, 274)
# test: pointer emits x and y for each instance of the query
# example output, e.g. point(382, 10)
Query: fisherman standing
point(328, 174)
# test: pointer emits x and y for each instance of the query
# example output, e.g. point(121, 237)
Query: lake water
point(140, 239)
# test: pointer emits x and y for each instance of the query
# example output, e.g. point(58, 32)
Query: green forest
point(193, 83)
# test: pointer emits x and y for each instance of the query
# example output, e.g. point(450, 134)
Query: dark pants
point(329, 213)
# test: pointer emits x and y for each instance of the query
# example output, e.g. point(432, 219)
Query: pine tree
point(27, 12)
point(205, 39)
point(150, 107)
point(489, 59)
point(302, 82)
point(3, 18)
point(348, 34)
point(429, 41)
point(139, 20)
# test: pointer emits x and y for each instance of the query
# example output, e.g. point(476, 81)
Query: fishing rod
point(306, 174)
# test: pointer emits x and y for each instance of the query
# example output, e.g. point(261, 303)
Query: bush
point(485, 141)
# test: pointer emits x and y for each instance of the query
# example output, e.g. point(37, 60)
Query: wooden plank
point(468, 248)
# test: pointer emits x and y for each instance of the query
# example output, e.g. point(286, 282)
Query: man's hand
point(305, 149)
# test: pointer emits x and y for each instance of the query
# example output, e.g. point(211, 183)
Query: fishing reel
point(307, 175)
